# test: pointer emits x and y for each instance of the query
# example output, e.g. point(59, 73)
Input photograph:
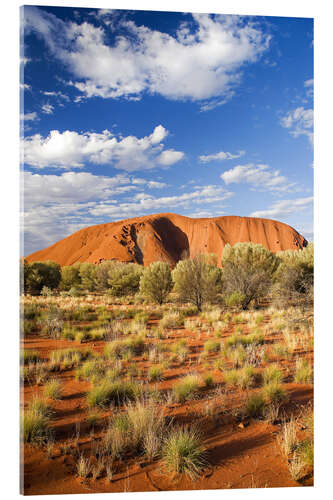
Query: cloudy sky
point(130, 113)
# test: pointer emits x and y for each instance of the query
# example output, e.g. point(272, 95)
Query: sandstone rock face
point(167, 237)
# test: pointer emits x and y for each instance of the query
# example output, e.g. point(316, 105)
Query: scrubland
point(121, 394)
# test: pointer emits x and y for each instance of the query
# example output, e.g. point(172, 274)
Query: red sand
point(167, 237)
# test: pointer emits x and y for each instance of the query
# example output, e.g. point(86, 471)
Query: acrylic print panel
point(167, 284)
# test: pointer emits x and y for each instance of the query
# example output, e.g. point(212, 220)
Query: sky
point(129, 113)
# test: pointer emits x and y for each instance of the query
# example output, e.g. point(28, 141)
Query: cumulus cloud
point(70, 149)
point(169, 157)
point(284, 207)
point(257, 176)
point(299, 122)
point(202, 60)
point(221, 156)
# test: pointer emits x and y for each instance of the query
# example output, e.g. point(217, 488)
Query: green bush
point(197, 280)
point(156, 282)
point(248, 269)
point(41, 274)
point(124, 279)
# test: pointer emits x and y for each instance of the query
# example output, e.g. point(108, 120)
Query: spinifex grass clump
point(274, 393)
point(304, 372)
point(116, 393)
point(183, 452)
point(92, 369)
point(69, 357)
point(172, 320)
point(29, 356)
point(155, 373)
point(34, 421)
point(272, 373)
point(53, 389)
point(187, 388)
point(255, 405)
point(211, 346)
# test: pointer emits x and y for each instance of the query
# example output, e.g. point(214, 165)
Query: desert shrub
point(35, 421)
point(51, 322)
point(248, 269)
point(197, 280)
point(83, 467)
point(69, 356)
point(40, 274)
point(187, 388)
point(274, 393)
point(155, 373)
point(208, 379)
point(234, 299)
point(255, 405)
point(303, 372)
point(172, 320)
point(231, 377)
point(70, 277)
point(87, 275)
point(247, 377)
point(53, 389)
point(211, 346)
point(142, 317)
point(156, 282)
point(272, 373)
point(295, 274)
point(124, 279)
point(115, 393)
point(101, 275)
point(306, 452)
point(288, 440)
point(29, 356)
point(93, 369)
point(183, 452)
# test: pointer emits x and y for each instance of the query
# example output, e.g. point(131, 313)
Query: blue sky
point(129, 113)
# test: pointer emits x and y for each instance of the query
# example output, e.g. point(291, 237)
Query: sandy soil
point(240, 455)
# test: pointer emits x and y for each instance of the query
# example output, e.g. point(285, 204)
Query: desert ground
point(120, 395)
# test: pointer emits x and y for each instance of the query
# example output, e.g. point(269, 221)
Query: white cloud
point(58, 94)
point(57, 205)
point(308, 84)
point(71, 187)
point(47, 109)
point(70, 149)
point(258, 176)
point(25, 86)
point(284, 207)
point(202, 60)
point(29, 116)
point(148, 203)
point(220, 156)
point(300, 122)
point(169, 157)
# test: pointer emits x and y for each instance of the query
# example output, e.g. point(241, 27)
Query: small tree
point(197, 280)
point(156, 282)
point(70, 277)
point(87, 275)
point(124, 279)
point(248, 269)
point(295, 275)
point(102, 274)
point(40, 274)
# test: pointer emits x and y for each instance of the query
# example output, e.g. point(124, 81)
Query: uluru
point(167, 237)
